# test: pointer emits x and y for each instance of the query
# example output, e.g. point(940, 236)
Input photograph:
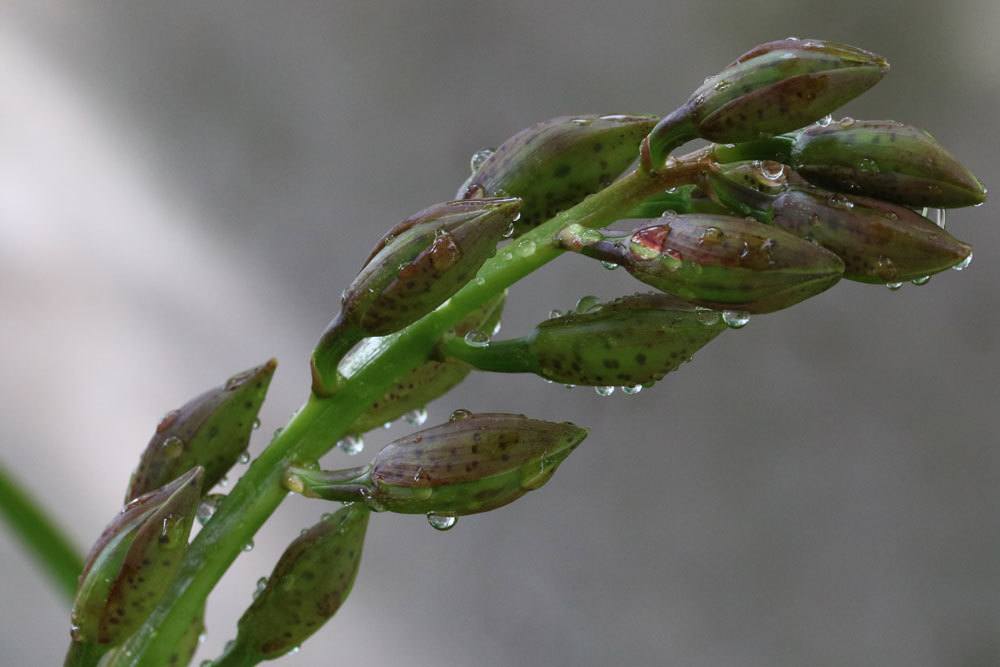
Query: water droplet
point(477, 338)
point(479, 157)
point(74, 632)
point(711, 236)
point(868, 166)
point(825, 120)
point(894, 286)
point(771, 170)
point(840, 201)
point(722, 85)
point(224, 482)
point(941, 218)
point(459, 415)
point(172, 447)
point(554, 313)
point(922, 280)
point(248, 547)
point(507, 256)
point(387, 425)
point(846, 122)
point(526, 248)
point(351, 445)
point(604, 391)
point(441, 521)
point(202, 637)
point(587, 304)
point(671, 162)
point(886, 269)
point(610, 266)
point(416, 417)
point(964, 264)
point(582, 121)
point(632, 390)
point(507, 233)
point(735, 319)
point(256, 423)
point(570, 386)
point(261, 585)
point(707, 317)
point(370, 500)
point(207, 507)
point(244, 457)
point(496, 328)
point(294, 650)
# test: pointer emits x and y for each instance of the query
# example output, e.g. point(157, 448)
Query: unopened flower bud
point(555, 164)
point(311, 581)
point(134, 560)
point(473, 463)
point(210, 431)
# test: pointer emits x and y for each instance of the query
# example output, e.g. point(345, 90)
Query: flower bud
point(427, 381)
point(134, 561)
point(885, 160)
point(722, 262)
point(555, 164)
point(775, 87)
point(210, 431)
point(878, 242)
point(472, 463)
point(312, 579)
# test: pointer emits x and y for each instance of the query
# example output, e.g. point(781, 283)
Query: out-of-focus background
point(185, 188)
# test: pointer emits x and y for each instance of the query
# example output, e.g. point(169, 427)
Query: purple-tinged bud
point(134, 560)
point(556, 163)
point(473, 463)
point(210, 431)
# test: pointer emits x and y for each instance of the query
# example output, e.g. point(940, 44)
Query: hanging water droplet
point(351, 445)
point(294, 650)
point(74, 632)
point(459, 414)
point(632, 390)
point(387, 425)
point(554, 313)
point(846, 122)
point(526, 248)
point(894, 286)
point(244, 457)
point(224, 482)
point(825, 120)
point(261, 585)
point(610, 266)
point(477, 338)
point(202, 637)
point(771, 170)
point(416, 417)
point(707, 317)
point(941, 218)
point(207, 507)
point(964, 264)
point(256, 423)
point(248, 547)
point(441, 521)
point(509, 231)
point(604, 391)
point(922, 280)
point(172, 447)
point(735, 319)
point(479, 157)
point(587, 304)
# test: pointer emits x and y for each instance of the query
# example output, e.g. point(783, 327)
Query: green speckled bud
point(722, 262)
point(427, 381)
point(775, 87)
point(134, 560)
point(885, 160)
point(312, 579)
point(210, 431)
point(473, 463)
point(878, 242)
point(555, 164)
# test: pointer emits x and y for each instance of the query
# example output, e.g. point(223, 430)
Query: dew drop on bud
point(771, 170)
point(554, 313)
point(610, 266)
point(922, 280)
point(526, 248)
point(496, 328)
point(964, 264)
point(244, 457)
point(707, 317)
point(478, 158)
point(894, 286)
point(351, 445)
point(256, 423)
point(604, 391)
point(476, 338)
point(846, 122)
point(248, 547)
point(722, 85)
point(416, 417)
point(509, 231)
point(735, 319)
point(261, 585)
point(587, 304)
point(224, 482)
point(825, 120)
point(387, 425)
point(172, 447)
point(459, 415)
point(207, 508)
point(632, 390)
point(441, 521)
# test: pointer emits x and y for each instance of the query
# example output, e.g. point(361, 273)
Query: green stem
point(52, 550)
point(84, 654)
point(323, 420)
point(506, 356)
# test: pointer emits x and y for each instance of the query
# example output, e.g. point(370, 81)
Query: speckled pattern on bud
point(210, 431)
point(311, 581)
point(878, 242)
point(427, 381)
point(134, 560)
point(556, 163)
point(473, 463)
point(776, 87)
point(722, 262)
point(885, 160)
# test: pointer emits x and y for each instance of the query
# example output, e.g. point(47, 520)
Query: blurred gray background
point(185, 188)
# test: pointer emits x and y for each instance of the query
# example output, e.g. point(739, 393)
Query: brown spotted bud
point(211, 431)
point(555, 164)
point(134, 560)
point(311, 581)
point(473, 463)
